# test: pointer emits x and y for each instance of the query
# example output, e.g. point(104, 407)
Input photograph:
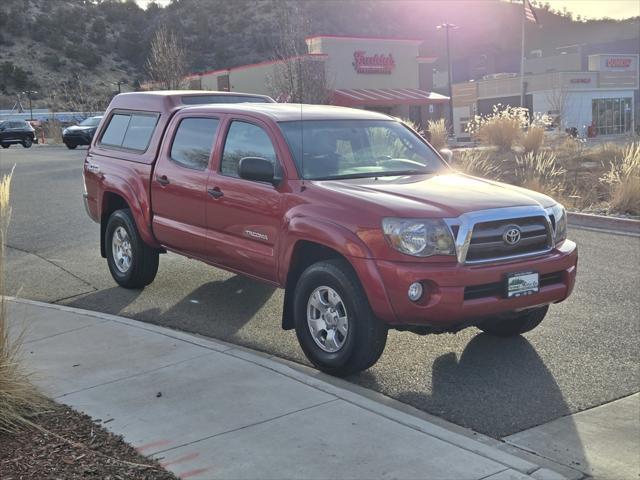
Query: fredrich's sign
point(377, 63)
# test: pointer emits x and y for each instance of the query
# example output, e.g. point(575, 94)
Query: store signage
point(378, 63)
point(618, 62)
point(580, 80)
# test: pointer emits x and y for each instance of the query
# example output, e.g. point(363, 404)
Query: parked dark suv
point(16, 131)
point(81, 134)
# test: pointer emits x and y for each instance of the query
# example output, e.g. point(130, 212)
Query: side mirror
point(446, 154)
point(257, 169)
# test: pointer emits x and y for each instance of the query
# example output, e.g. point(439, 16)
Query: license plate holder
point(521, 284)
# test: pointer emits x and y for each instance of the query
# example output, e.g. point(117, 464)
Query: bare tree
point(76, 96)
point(558, 101)
point(297, 77)
point(166, 64)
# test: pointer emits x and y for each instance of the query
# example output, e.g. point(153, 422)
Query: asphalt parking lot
point(584, 354)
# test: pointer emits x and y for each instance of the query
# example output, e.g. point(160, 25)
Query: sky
point(618, 9)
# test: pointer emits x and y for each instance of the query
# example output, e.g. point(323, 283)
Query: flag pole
point(524, 15)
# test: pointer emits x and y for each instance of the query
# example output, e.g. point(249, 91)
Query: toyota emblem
point(512, 235)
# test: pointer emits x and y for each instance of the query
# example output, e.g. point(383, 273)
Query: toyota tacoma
point(355, 215)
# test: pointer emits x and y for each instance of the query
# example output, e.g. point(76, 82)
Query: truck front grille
point(491, 240)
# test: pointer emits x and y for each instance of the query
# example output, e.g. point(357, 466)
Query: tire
point(27, 142)
point(517, 324)
point(142, 266)
point(5, 145)
point(71, 146)
point(366, 335)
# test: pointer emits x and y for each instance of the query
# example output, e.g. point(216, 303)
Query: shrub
point(478, 164)
point(437, 133)
point(52, 130)
point(502, 128)
point(532, 140)
point(623, 179)
point(505, 126)
point(18, 397)
point(540, 172)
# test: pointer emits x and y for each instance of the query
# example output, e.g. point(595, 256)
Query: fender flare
point(113, 184)
point(349, 246)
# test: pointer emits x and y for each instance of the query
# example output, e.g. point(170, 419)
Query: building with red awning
point(374, 73)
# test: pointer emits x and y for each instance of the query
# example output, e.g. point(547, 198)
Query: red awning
point(385, 96)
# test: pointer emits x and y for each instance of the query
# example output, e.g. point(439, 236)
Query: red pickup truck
point(357, 217)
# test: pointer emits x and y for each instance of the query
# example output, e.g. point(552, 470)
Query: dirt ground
point(71, 446)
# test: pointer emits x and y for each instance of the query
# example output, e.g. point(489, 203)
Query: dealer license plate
point(521, 284)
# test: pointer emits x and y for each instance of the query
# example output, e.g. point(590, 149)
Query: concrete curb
point(373, 401)
point(605, 223)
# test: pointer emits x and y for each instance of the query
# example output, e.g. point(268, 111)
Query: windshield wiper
point(398, 173)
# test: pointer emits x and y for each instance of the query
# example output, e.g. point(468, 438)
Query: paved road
point(584, 354)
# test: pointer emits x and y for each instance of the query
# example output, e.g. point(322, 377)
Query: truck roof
point(169, 100)
point(286, 112)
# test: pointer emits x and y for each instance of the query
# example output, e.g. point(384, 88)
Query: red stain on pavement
point(147, 446)
point(184, 458)
point(192, 473)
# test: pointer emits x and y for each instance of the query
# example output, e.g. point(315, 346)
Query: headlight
point(64, 132)
point(419, 238)
point(560, 218)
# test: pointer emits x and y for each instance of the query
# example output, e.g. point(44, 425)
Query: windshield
point(334, 149)
point(90, 122)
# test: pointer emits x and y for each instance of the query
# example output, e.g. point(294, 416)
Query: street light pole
point(28, 93)
point(447, 27)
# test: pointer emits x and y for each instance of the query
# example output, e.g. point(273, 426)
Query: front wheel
point(132, 263)
point(71, 146)
point(516, 324)
point(27, 143)
point(334, 323)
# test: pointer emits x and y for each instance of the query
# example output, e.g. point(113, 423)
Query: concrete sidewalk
point(208, 409)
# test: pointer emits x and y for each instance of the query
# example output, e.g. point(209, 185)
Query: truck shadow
point(218, 308)
point(497, 387)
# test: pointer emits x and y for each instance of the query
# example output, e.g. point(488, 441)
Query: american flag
point(529, 14)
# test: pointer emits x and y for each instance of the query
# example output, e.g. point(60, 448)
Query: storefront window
point(611, 116)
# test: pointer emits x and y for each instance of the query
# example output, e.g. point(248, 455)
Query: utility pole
point(447, 27)
point(28, 93)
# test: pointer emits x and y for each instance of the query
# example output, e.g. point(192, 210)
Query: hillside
point(69, 50)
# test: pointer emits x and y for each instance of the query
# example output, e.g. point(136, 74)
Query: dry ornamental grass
point(623, 179)
point(533, 139)
point(438, 133)
point(18, 397)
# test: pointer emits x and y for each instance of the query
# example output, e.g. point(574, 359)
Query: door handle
point(162, 180)
point(215, 192)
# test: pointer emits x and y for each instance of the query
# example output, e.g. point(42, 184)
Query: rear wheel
point(132, 263)
point(335, 326)
point(5, 145)
point(517, 324)
point(27, 143)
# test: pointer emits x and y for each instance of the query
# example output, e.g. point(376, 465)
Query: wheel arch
point(311, 242)
point(304, 254)
point(112, 201)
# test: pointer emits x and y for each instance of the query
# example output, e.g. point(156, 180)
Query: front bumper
point(445, 306)
point(78, 138)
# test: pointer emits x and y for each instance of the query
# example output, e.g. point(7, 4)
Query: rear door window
point(193, 142)
point(131, 131)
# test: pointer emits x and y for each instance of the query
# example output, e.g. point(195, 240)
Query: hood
point(80, 128)
point(447, 195)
